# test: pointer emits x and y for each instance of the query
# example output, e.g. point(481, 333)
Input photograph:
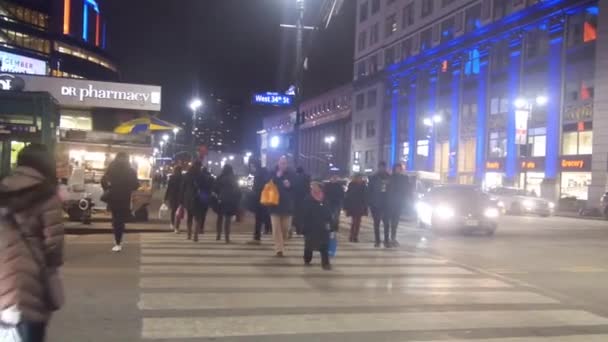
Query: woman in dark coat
point(262, 216)
point(398, 191)
point(228, 197)
point(355, 205)
point(174, 197)
point(281, 215)
point(119, 182)
point(198, 185)
point(317, 226)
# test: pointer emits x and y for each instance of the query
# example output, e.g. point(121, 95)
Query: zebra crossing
point(238, 292)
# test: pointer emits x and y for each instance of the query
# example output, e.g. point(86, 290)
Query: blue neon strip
point(85, 22)
point(511, 163)
point(394, 120)
point(454, 129)
point(480, 152)
point(411, 126)
point(93, 4)
point(432, 111)
point(553, 109)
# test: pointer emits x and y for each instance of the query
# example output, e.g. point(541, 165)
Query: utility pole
point(299, 74)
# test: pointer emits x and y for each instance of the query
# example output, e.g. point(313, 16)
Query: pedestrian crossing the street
point(239, 292)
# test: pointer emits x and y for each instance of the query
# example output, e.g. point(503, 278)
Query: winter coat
point(301, 191)
point(174, 195)
point(120, 181)
point(228, 195)
point(398, 192)
point(334, 195)
point(195, 184)
point(378, 190)
point(355, 201)
point(286, 195)
point(38, 213)
point(317, 224)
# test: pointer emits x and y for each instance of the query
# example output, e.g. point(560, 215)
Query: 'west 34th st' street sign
point(272, 99)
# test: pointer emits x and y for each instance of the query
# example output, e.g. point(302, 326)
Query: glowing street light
point(275, 141)
point(542, 100)
point(521, 103)
point(428, 122)
point(166, 137)
point(330, 140)
point(437, 118)
point(195, 104)
point(231, 157)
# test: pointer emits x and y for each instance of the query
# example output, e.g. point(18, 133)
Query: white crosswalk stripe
point(213, 290)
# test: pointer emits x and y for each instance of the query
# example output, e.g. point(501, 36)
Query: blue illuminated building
point(467, 62)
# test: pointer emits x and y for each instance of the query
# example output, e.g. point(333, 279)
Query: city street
point(537, 280)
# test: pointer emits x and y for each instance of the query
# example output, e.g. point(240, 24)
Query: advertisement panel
point(13, 63)
point(521, 126)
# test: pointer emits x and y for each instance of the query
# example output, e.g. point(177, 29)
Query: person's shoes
point(356, 240)
point(218, 238)
point(387, 244)
point(116, 248)
point(280, 254)
point(195, 239)
point(327, 267)
point(377, 244)
point(172, 227)
point(395, 243)
point(254, 242)
point(176, 231)
point(189, 237)
point(227, 241)
point(307, 264)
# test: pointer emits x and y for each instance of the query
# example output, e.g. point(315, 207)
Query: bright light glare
point(444, 212)
point(521, 103)
point(491, 213)
point(551, 205)
point(427, 122)
point(330, 139)
point(437, 118)
point(275, 141)
point(196, 104)
point(248, 154)
point(529, 204)
point(166, 137)
point(176, 130)
point(542, 100)
point(425, 212)
point(231, 157)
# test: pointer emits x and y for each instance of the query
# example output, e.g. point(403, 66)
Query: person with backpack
point(198, 185)
point(174, 197)
point(31, 245)
point(228, 197)
point(118, 183)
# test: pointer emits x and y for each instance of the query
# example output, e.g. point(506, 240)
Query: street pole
point(192, 139)
point(299, 72)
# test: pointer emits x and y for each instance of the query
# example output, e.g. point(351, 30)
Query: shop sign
point(91, 94)
point(494, 165)
point(272, 99)
point(575, 163)
point(10, 62)
point(521, 126)
point(11, 82)
point(532, 164)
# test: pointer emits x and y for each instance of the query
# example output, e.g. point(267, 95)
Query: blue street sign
point(272, 99)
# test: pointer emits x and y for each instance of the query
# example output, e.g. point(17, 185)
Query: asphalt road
point(536, 277)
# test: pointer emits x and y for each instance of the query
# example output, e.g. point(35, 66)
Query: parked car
point(459, 208)
point(519, 202)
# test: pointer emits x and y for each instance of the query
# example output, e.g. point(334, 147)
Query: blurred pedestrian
point(355, 205)
point(317, 226)
point(174, 196)
point(262, 216)
point(398, 192)
point(198, 186)
point(281, 214)
point(334, 198)
point(229, 197)
point(31, 245)
point(301, 190)
point(378, 203)
point(119, 182)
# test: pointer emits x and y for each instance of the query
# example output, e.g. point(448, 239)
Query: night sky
point(230, 48)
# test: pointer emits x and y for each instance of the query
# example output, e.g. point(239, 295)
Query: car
point(458, 208)
point(520, 202)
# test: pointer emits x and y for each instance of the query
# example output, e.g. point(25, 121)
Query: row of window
point(372, 99)
point(23, 40)
point(369, 157)
point(337, 103)
point(23, 14)
point(84, 54)
point(370, 129)
point(59, 73)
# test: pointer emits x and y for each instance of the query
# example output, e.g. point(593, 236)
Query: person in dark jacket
point(355, 205)
point(228, 196)
point(281, 214)
point(398, 191)
point(301, 190)
point(334, 198)
point(262, 216)
point(119, 182)
point(174, 197)
point(198, 186)
point(317, 226)
point(378, 202)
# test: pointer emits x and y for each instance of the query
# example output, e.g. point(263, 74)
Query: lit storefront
point(575, 176)
point(495, 173)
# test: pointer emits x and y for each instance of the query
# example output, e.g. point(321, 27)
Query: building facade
point(325, 136)
point(218, 125)
point(491, 92)
point(61, 38)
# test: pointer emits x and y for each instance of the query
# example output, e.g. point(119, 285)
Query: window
point(362, 42)
point(422, 148)
point(498, 145)
point(425, 39)
point(447, 29)
point(358, 131)
point(375, 6)
point(499, 105)
point(375, 35)
point(472, 66)
point(360, 101)
point(373, 64)
point(574, 143)
point(389, 55)
point(449, 2)
point(372, 98)
point(357, 155)
point(583, 27)
point(361, 69)
point(537, 143)
point(427, 7)
point(501, 9)
point(408, 15)
point(537, 43)
point(472, 18)
point(499, 56)
point(363, 12)
point(391, 25)
point(370, 129)
point(406, 48)
point(370, 157)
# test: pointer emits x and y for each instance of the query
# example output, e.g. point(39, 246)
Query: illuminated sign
point(575, 163)
point(521, 126)
point(272, 99)
point(528, 165)
point(493, 165)
point(532, 164)
point(17, 64)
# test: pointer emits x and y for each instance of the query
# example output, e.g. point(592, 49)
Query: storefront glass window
point(539, 145)
point(585, 142)
point(423, 148)
point(570, 143)
point(498, 145)
point(575, 184)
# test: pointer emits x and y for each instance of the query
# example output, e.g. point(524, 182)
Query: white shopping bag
point(163, 212)
point(9, 334)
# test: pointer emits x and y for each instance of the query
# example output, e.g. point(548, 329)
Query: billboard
point(13, 63)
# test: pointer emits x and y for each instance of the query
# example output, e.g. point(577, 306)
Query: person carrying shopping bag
point(281, 213)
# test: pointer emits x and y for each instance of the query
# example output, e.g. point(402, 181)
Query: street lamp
point(329, 140)
point(231, 157)
point(195, 104)
point(275, 141)
point(165, 137)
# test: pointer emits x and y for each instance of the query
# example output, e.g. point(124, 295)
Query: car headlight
point(491, 213)
point(424, 212)
point(528, 204)
point(444, 212)
point(501, 204)
point(551, 205)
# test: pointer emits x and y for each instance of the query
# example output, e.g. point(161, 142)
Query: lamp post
point(523, 117)
point(195, 104)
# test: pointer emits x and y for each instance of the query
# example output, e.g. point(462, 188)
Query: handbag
point(270, 194)
point(179, 214)
point(332, 247)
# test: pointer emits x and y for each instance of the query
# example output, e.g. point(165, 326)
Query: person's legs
point(307, 255)
point(203, 219)
point(286, 227)
point(218, 226)
point(376, 216)
point(325, 257)
point(387, 227)
point(227, 223)
point(118, 225)
point(395, 218)
point(277, 233)
point(173, 212)
point(355, 228)
point(189, 222)
point(32, 331)
point(257, 232)
point(267, 221)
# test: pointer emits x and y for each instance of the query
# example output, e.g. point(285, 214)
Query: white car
point(518, 202)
